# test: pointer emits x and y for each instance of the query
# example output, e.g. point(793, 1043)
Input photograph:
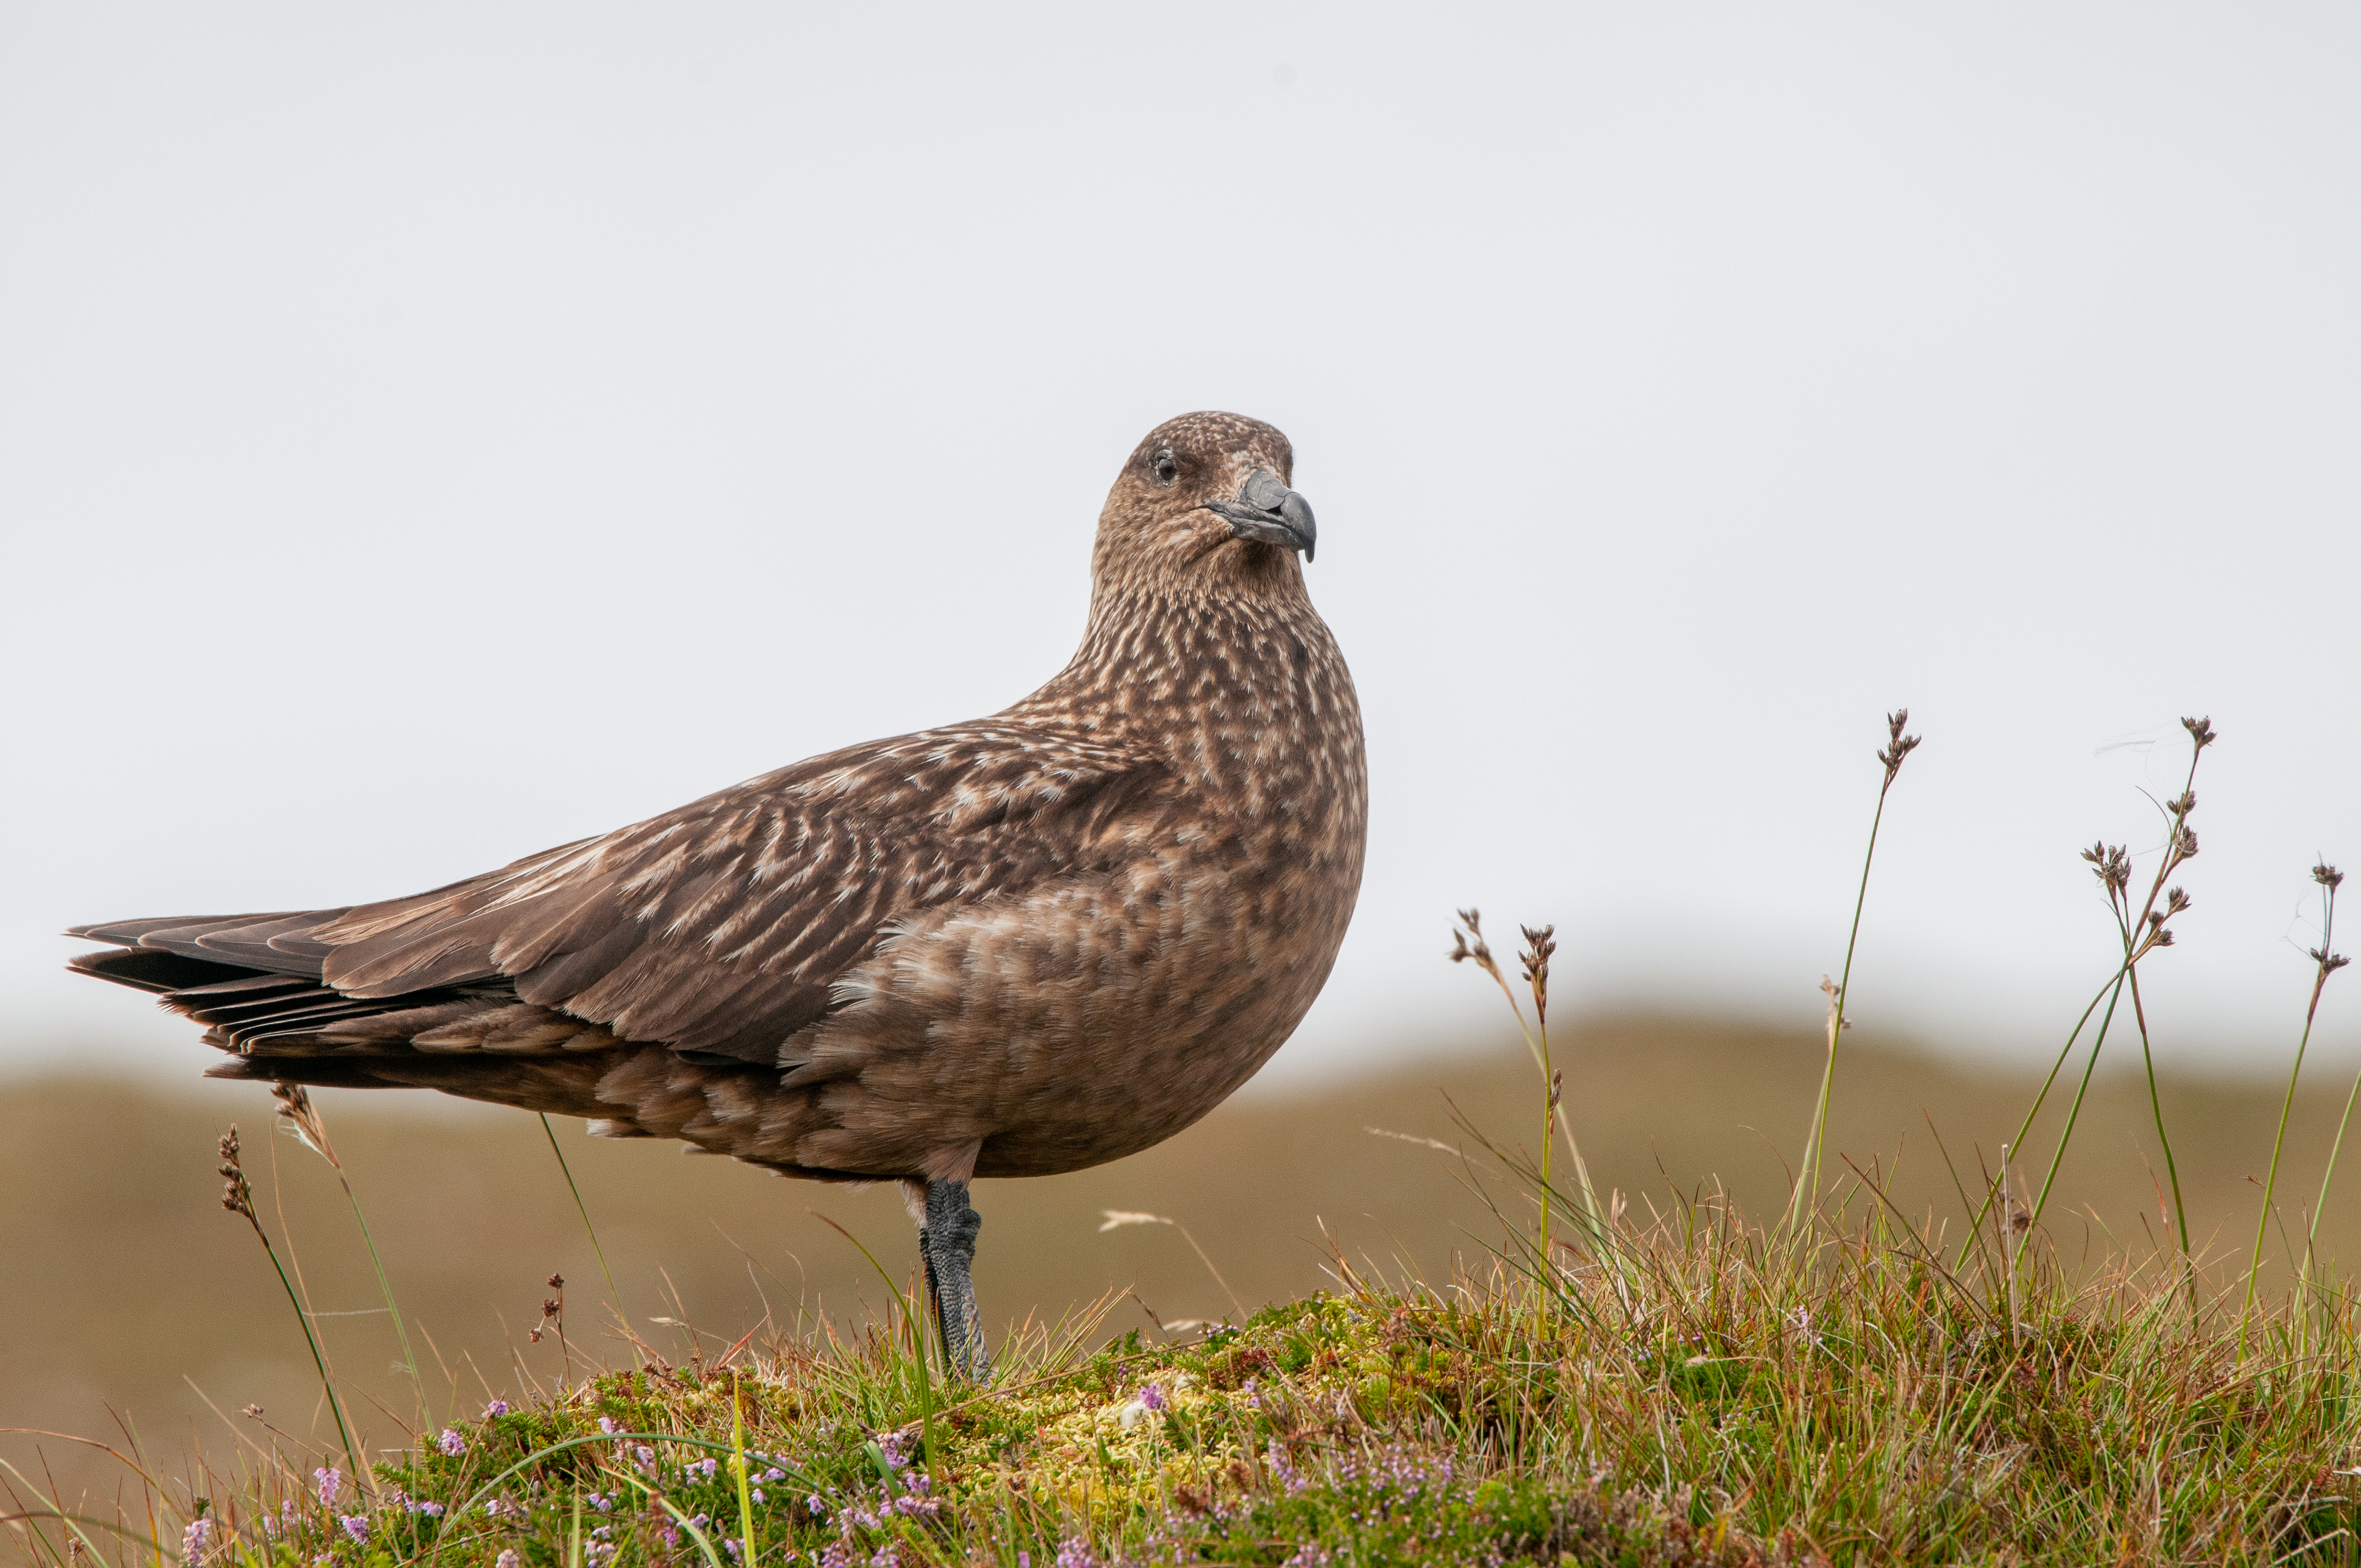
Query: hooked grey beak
point(1268, 511)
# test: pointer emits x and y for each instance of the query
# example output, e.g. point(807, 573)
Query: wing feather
point(722, 926)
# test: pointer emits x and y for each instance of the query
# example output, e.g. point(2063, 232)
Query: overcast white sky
point(431, 433)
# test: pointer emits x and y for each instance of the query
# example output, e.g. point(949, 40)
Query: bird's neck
point(1214, 682)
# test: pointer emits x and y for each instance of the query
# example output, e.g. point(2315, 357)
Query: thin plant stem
point(1484, 960)
point(738, 1463)
point(2326, 961)
point(1549, 1145)
point(613, 1295)
point(1118, 1218)
point(1596, 1211)
point(1808, 1172)
point(2155, 1110)
point(2142, 936)
point(2074, 1110)
point(2047, 1083)
point(385, 1286)
point(1235, 1305)
point(238, 1199)
point(1812, 1145)
point(2008, 1241)
point(2335, 1148)
point(327, 1384)
point(296, 1104)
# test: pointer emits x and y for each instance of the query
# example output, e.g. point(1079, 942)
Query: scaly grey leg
point(947, 1242)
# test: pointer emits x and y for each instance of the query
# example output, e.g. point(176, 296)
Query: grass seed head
point(2111, 865)
point(311, 1128)
point(2201, 731)
point(1535, 960)
point(1538, 945)
point(1470, 943)
point(2327, 876)
point(238, 1195)
point(1897, 744)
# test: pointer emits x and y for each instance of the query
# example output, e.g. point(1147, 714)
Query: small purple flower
point(1075, 1552)
point(1152, 1396)
point(705, 1467)
point(330, 1482)
point(497, 1408)
point(508, 1559)
point(756, 1493)
point(669, 1530)
point(432, 1510)
point(451, 1442)
point(197, 1539)
point(820, 1510)
point(356, 1526)
point(730, 1546)
point(602, 1501)
point(775, 1474)
point(608, 1424)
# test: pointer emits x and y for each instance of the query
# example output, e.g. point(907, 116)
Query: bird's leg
point(947, 1242)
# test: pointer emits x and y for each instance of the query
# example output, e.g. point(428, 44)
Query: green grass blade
point(613, 1295)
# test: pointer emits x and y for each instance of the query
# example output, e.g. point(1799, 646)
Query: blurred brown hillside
point(126, 1287)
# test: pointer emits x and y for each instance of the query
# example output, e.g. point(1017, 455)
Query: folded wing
point(717, 928)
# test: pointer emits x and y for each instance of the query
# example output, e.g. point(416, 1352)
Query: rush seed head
point(1897, 744)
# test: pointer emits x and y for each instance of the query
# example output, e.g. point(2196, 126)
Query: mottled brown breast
point(1092, 1015)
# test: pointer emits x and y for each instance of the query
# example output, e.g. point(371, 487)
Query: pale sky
point(433, 433)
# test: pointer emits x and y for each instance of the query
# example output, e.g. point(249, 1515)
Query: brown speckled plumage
point(1018, 946)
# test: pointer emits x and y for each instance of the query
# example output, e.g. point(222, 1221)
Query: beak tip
point(1268, 511)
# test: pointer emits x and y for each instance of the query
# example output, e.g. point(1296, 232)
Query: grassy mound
point(1700, 1392)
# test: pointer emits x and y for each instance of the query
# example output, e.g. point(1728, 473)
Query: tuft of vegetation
point(1849, 1383)
point(1712, 1396)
